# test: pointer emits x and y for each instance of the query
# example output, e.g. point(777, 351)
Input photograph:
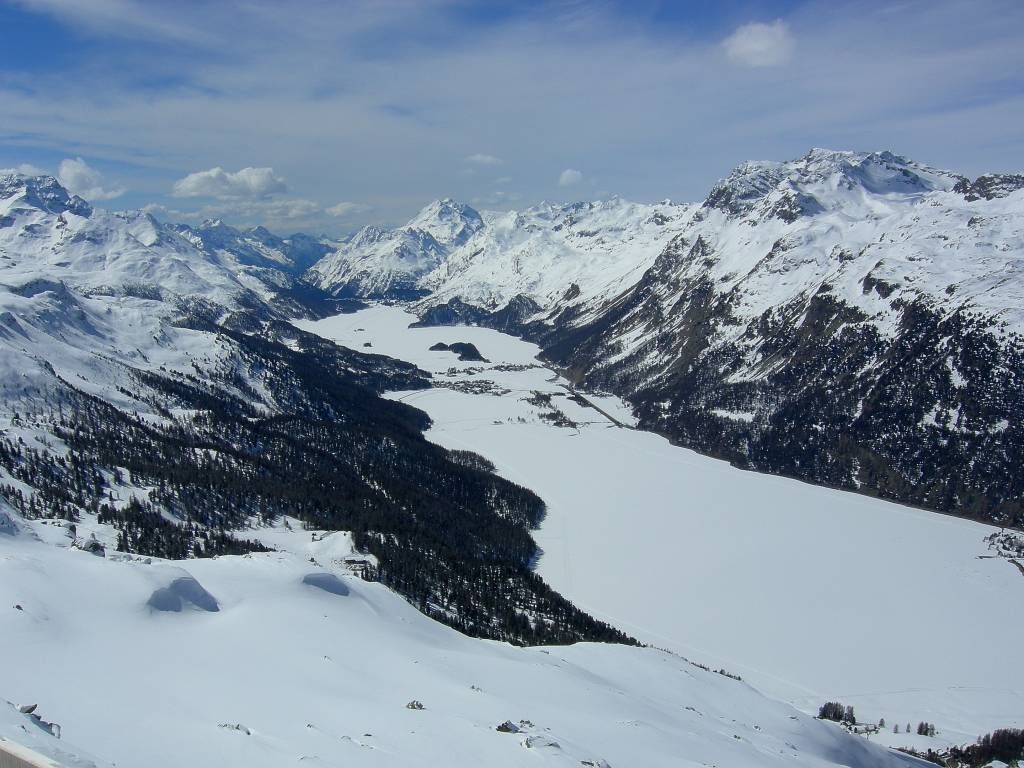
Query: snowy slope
point(285, 658)
point(811, 594)
point(88, 296)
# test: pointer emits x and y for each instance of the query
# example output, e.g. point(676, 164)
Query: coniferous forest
point(323, 447)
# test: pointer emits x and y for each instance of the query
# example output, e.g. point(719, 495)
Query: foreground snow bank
point(304, 663)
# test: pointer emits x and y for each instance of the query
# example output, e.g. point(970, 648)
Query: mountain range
point(850, 319)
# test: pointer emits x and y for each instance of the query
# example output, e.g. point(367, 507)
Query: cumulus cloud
point(482, 159)
point(346, 208)
point(78, 177)
point(760, 45)
point(569, 177)
point(248, 183)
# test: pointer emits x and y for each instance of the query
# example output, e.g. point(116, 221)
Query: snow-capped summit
point(41, 192)
point(823, 179)
point(554, 250)
point(448, 221)
point(389, 263)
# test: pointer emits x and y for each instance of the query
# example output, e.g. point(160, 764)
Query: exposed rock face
point(990, 186)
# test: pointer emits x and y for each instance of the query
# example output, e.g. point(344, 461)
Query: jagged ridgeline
point(448, 534)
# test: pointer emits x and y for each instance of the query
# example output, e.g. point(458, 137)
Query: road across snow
point(809, 593)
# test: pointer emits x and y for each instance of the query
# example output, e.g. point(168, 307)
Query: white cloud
point(482, 159)
point(78, 177)
point(760, 45)
point(346, 208)
point(25, 169)
point(569, 177)
point(248, 183)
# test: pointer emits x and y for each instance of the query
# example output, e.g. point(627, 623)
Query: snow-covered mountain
point(850, 318)
point(258, 246)
point(540, 254)
point(87, 295)
point(378, 263)
point(47, 233)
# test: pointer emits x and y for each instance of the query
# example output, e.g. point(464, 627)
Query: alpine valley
point(849, 319)
point(269, 500)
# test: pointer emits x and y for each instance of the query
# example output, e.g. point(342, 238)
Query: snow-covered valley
point(810, 594)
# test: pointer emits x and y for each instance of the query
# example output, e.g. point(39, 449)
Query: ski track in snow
point(808, 593)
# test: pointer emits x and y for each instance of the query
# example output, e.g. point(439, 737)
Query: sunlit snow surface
point(808, 593)
point(304, 664)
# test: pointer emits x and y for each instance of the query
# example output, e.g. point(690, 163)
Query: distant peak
point(811, 178)
point(450, 222)
point(44, 193)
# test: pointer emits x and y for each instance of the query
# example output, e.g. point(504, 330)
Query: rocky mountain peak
point(448, 221)
point(42, 192)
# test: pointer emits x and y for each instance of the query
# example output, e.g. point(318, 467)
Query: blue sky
point(324, 116)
